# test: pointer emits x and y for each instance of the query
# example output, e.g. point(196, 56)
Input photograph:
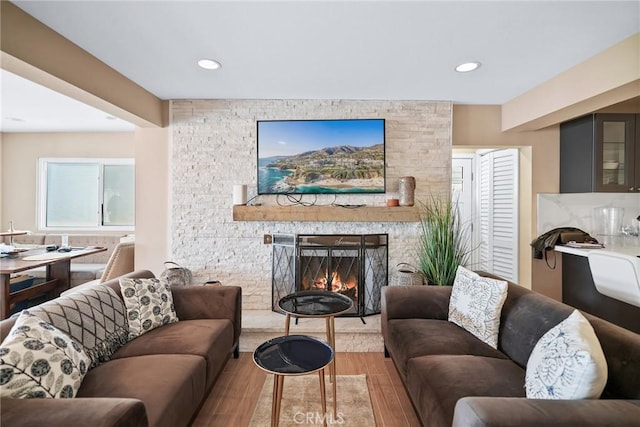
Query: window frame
point(41, 207)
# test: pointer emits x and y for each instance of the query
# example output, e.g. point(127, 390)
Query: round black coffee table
point(318, 304)
point(315, 303)
point(293, 355)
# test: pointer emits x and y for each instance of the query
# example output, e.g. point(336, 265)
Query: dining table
point(57, 278)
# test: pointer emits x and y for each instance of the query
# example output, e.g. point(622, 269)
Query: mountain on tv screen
point(321, 156)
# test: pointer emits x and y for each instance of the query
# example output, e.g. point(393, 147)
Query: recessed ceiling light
point(209, 64)
point(467, 66)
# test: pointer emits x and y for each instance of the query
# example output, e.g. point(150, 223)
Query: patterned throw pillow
point(94, 316)
point(476, 303)
point(567, 362)
point(39, 360)
point(149, 304)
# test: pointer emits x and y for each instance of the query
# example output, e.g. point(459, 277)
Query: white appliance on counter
point(616, 275)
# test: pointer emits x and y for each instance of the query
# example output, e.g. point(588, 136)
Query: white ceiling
point(30, 107)
point(330, 49)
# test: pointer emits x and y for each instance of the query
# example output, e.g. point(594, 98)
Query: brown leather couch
point(160, 378)
point(455, 379)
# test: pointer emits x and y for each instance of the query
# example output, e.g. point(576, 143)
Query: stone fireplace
point(213, 148)
point(354, 265)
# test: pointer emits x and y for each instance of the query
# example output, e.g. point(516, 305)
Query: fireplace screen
point(352, 265)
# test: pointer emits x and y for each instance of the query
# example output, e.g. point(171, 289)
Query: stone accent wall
point(214, 147)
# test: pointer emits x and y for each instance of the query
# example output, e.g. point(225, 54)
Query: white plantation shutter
point(485, 202)
point(498, 205)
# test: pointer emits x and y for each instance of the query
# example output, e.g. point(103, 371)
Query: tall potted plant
point(444, 240)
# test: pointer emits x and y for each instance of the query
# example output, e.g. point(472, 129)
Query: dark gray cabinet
point(600, 153)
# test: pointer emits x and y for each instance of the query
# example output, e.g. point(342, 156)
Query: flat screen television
point(321, 156)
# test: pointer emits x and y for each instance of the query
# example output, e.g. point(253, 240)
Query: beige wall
point(610, 77)
point(479, 126)
point(2, 226)
point(19, 156)
point(152, 198)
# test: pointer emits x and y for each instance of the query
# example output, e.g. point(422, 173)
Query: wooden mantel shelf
point(326, 213)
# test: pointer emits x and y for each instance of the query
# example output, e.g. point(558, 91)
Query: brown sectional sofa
point(159, 378)
point(455, 379)
point(83, 269)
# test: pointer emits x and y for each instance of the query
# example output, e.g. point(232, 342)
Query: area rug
point(301, 404)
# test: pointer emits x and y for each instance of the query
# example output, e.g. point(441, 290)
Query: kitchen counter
point(611, 290)
point(625, 250)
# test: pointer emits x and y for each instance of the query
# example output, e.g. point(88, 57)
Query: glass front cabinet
point(600, 153)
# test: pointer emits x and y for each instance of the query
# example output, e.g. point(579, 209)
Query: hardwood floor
point(235, 394)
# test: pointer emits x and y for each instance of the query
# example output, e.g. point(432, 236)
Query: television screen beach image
point(321, 156)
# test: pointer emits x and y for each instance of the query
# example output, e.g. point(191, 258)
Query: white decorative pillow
point(39, 360)
point(149, 304)
point(567, 362)
point(476, 303)
point(94, 316)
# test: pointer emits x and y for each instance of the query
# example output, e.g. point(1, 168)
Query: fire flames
point(348, 286)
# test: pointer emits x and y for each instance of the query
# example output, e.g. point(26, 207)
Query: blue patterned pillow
point(39, 360)
point(567, 362)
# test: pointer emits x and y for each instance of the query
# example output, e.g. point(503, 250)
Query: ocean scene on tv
point(321, 156)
